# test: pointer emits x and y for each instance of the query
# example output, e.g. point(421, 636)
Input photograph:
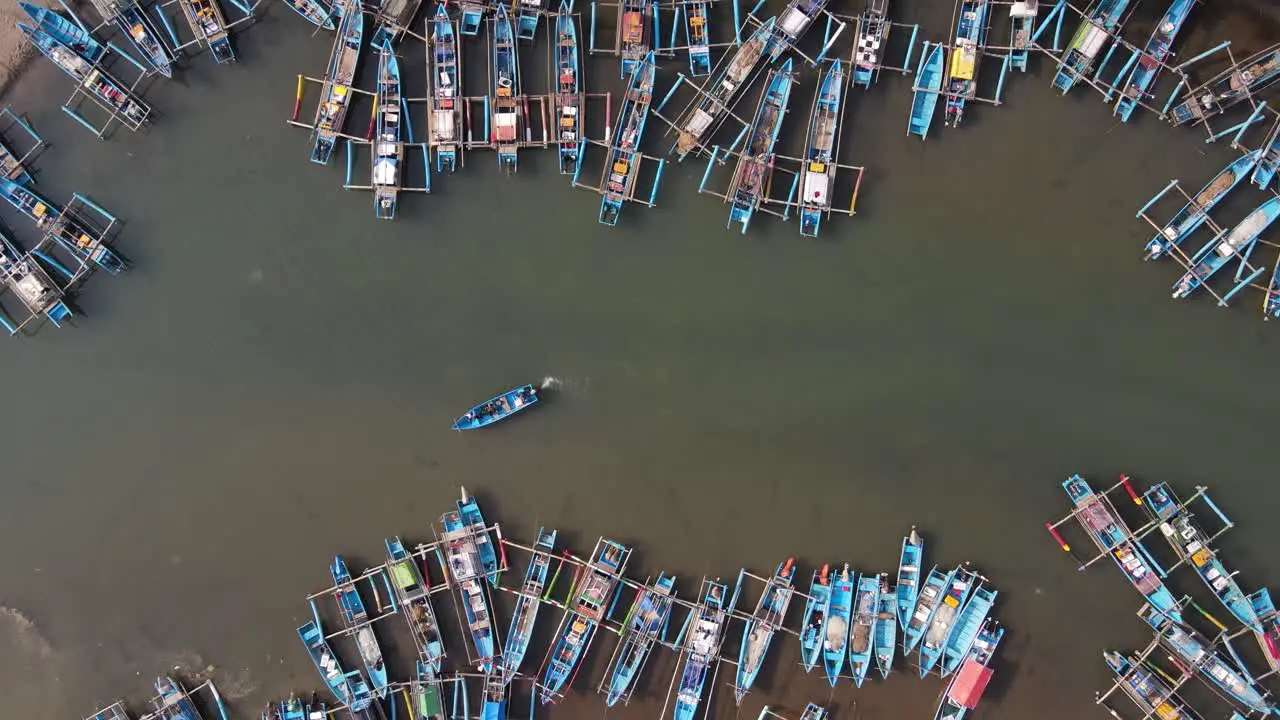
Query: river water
point(274, 380)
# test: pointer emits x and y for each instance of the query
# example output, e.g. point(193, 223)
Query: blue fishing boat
point(646, 625)
point(966, 688)
point(498, 408)
point(1196, 652)
point(494, 705)
point(886, 634)
point(336, 90)
point(1193, 545)
point(1269, 638)
point(470, 14)
point(1154, 53)
point(837, 636)
point(507, 126)
point(291, 709)
point(445, 84)
point(943, 621)
point(394, 17)
point(931, 594)
point(701, 647)
point(793, 22)
point(425, 698)
point(568, 90)
point(315, 12)
point(635, 22)
point(908, 587)
point(327, 664)
point(866, 608)
point(873, 33)
point(966, 628)
point(528, 601)
point(413, 595)
point(1022, 26)
point(758, 633)
point(65, 228)
point(79, 59)
point(1268, 160)
point(622, 166)
point(210, 27)
point(63, 32)
point(132, 20)
point(1196, 211)
point(356, 619)
point(469, 511)
point(924, 101)
point(1100, 519)
point(1229, 87)
point(966, 58)
point(724, 88)
point(695, 30)
point(1093, 34)
point(25, 278)
point(819, 156)
point(814, 626)
point(591, 603)
point(172, 701)
point(1218, 252)
point(1147, 690)
point(528, 13)
point(463, 562)
point(388, 147)
point(754, 173)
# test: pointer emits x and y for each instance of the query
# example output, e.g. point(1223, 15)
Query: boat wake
point(551, 381)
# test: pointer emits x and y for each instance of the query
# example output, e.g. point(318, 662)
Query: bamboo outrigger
point(23, 275)
point(872, 29)
point(19, 145)
point(208, 24)
point(448, 104)
point(133, 20)
point(336, 89)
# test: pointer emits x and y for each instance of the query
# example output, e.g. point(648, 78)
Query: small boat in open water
point(966, 688)
point(886, 635)
point(646, 625)
point(813, 630)
point(356, 619)
point(758, 633)
point(414, 597)
point(528, 600)
point(866, 603)
point(498, 408)
point(908, 587)
point(837, 635)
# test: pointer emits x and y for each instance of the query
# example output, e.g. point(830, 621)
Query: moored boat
point(463, 562)
point(356, 619)
point(695, 27)
point(942, 623)
point(1229, 88)
point(388, 146)
point(172, 701)
point(701, 647)
point(529, 12)
point(1147, 690)
point(494, 700)
point(507, 125)
point(591, 603)
point(966, 688)
point(1103, 524)
point(210, 27)
point(765, 621)
point(498, 408)
point(635, 22)
point(1269, 637)
point(315, 12)
point(528, 601)
point(935, 587)
point(793, 22)
point(966, 58)
point(79, 59)
point(813, 629)
point(1218, 252)
point(924, 101)
point(724, 89)
point(568, 90)
point(866, 606)
point(873, 33)
point(886, 634)
point(1157, 49)
point(1022, 26)
point(1196, 211)
point(394, 18)
point(445, 120)
point(1093, 34)
point(335, 93)
point(23, 276)
point(646, 625)
point(335, 677)
point(622, 166)
point(908, 587)
point(754, 173)
point(838, 619)
point(820, 160)
point(966, 628)
point(413, 595)
point(469, 511)
point(64, 32)
point(132, 20)
point(1271, 298)
point(63, 226)
point(426, 701)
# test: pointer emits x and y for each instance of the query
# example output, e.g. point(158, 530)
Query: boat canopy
point(970, 684)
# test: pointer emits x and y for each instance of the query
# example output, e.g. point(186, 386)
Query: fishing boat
point(64, 32)
point(966, 59)
point(172, 701)
point(1269, 638)
point(1022, 26)
point(1196, 211)
point(966, 688)
point(866, 606)
point(645, 626)
point(568, 90)
point(388, 149)
point(838, 620)
point(622, 166)
point(210, 27)
point(11, 165)
point(507, 126)
point(1196, 652)
point(1230, 87)
point(758, 633)
point(966, 628)
point(924, 101)
point(470, 15)
point(62, 226)
point(935, 587)
point(336, 90)
point(820, 159)
point(793, 21)
point(462, 560)
point(327, 664)
point(1216, 253)
point(446, 83)
point(634, 24)
point(356, 619)
point(814, 626)
point(1192, 544)
point(1100, 519)
point(591, 602)
point(315, 12)
point(291, 709)
point(494, 700)
point(886, 634)
point(1154, 53)
point(426, 701)
point(943, 621)
point(701, 647)
point(1092, 35)
point(23, 275)
point(73, 58)
point(1147, 690)
point(1269, 160)
point(528, 12)
point(469, 512)
point(133, 21)
point(724, 89)
point(394, 17)
point(695, 29)
point(528, 600)
point(908, 587)
point(753, 175)
point(873, 33)
point(413, 594)
point(498, 408)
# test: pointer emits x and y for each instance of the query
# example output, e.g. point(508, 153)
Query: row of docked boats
point(1152, 686)
point(173, 701)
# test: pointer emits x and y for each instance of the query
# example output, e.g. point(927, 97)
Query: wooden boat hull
point(1156, 51)
point(356, 618)
point(1211, 258)
point(336, 92)
point(838, 623)
point(64, 228)
point(1146, 689)
point(703, 649)
point(314, 12)
point(943, 620)
point(1197, 652)
point(506, 111)
point(414, 598)
point(1193, 214)
point(754, 174)
point(465, 567)
point(908, 587)
point(924, 102)
point(592, 602)
point(966, 687)
point(498, 408)
point(819, 168)
point(568, 97)
point(647, 621)
point(387, 156)
point(65, 32)
point(1229, 88)
point(873, 31)
point(814, 627)
point(966, 59)
point(726, 86)
point(327, 664)
point(931, 593)
point(696, 37)
point(793, 22)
